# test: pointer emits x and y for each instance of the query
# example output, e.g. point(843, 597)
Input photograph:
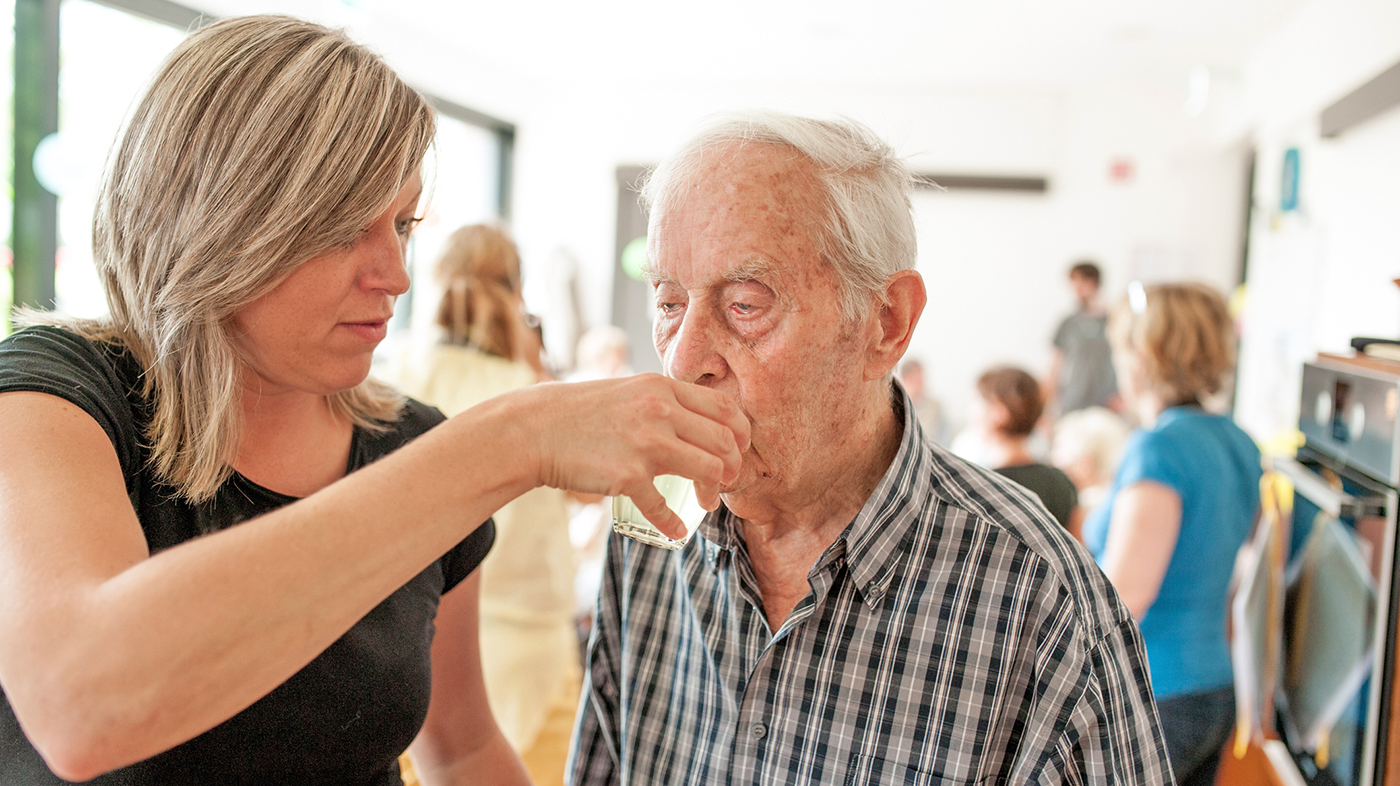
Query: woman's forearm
point(108, 656)
point(126, 660)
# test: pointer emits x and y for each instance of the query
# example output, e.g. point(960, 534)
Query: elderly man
point(864, 607)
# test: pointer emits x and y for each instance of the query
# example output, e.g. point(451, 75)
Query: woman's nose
point(386, 269)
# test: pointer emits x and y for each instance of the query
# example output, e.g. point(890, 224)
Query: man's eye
point(668, 308)
point(743, 308)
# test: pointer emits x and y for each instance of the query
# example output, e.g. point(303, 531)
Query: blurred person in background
point(228, 555)
point(1182, 503)
point(527, 633)
point(1081, 367)
point(1009, 405)
point(1087, 446)
point(928, 408)
point(604, 352)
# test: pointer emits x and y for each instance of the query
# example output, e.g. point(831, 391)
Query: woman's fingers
point(717, 407)
point(652, 505)
point(707, 494)
point(611, 436)
point(713, 423)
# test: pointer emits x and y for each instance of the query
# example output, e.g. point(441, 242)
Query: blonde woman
point(1182, 503)
point(226, 556)
point(528, 641)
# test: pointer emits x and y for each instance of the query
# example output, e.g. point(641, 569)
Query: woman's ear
point(998, 416)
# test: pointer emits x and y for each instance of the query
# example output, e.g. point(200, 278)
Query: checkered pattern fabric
point(953, 634)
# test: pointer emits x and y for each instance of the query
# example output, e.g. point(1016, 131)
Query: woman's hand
point(614, 436)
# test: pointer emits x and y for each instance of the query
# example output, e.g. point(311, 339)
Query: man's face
point(1085, 288)
point(745, 305)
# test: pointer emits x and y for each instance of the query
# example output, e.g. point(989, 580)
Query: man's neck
point(786, 533)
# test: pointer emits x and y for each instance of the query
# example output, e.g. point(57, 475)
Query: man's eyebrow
point(750, 270)
point(655, 277)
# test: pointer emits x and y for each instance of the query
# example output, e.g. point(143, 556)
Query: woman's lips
point(368, 331)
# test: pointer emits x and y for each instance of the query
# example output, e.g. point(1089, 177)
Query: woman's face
point(317, 330)
point(1133, 385)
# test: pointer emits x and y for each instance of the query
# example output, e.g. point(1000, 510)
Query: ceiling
point(886, 43)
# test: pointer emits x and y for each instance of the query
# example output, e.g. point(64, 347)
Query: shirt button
point(758, 730)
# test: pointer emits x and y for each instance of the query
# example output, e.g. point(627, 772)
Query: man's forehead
point(781, 171)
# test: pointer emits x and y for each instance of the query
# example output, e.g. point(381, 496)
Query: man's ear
point(905, 298)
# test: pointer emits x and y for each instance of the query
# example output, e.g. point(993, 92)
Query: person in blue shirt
point(1182, 503)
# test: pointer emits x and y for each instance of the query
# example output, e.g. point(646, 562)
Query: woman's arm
point(1142, 533)
point(109, 655)
point(460, 742)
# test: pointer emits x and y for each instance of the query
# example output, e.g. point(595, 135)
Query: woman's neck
point(293, 444)
point(1007, 451)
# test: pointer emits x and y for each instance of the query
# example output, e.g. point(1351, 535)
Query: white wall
point(1321, 274)
point(994, 263)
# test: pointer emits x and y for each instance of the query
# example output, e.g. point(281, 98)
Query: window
point(462, 188)
point(107, 56)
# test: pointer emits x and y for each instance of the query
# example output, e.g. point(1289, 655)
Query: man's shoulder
point(996, 506)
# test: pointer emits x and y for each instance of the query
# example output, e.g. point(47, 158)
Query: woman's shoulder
point(415, 418)
point(1185, 427)
point(102, 378)
point(61, 361)
point(55, 345)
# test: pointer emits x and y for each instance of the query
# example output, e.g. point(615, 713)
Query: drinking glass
point(680, 497)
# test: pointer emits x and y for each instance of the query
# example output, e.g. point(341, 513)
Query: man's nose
point(691, 354)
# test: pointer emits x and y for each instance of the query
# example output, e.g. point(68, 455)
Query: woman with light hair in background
point(227, 555)
point(528, 648)
point(1087, 445)
point(1182, 503)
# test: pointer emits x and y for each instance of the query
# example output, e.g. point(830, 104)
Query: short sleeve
point(458, 563)
point(61, 363)
point(1154, 456)
point(1061, 341)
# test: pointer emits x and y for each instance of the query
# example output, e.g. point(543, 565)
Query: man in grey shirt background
point(1081, 367)
point(864, 608)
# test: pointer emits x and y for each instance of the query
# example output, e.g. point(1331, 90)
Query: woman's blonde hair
point(479, 271)
point(262, 141)
point(1182, 335)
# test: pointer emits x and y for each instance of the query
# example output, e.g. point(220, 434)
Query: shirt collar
point(882, 532)
point(884, 529)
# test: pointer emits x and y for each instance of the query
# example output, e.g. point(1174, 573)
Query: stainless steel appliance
point(1349, 470)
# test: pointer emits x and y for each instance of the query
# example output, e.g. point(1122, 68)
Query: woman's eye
point(405, 226)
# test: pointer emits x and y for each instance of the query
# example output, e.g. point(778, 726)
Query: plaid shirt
point(953, 634)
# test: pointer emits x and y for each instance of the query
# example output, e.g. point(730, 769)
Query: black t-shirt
point(346, 716)
point(1055, 489)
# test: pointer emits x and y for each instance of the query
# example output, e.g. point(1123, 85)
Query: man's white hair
point(867, 232)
